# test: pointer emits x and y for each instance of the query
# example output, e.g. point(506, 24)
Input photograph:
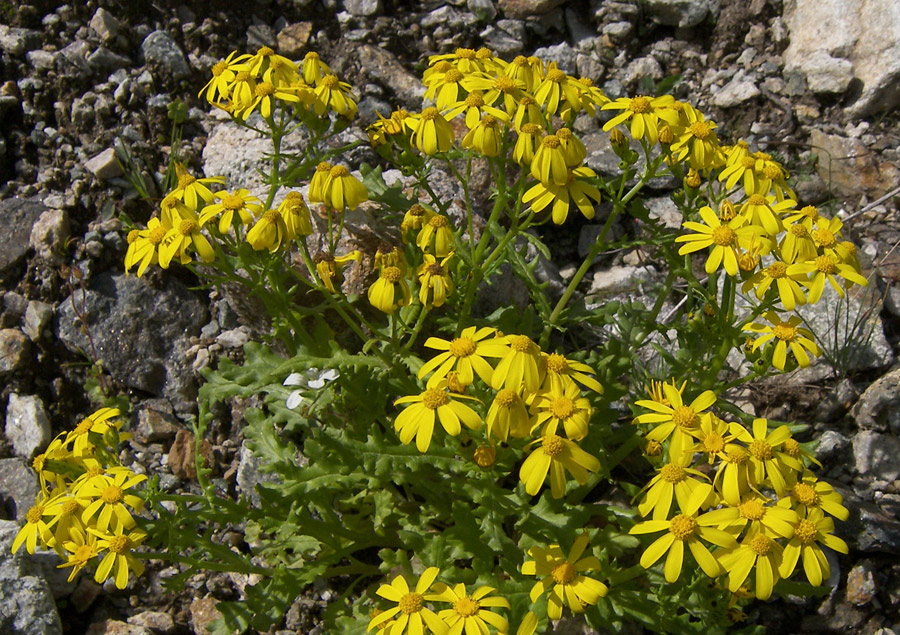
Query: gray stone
point(735, 92)
point(139, 332)
point(155, 421)
point(642, 67)
point(19, 216)
point(19, 489)
point(681, 13)
point(831, 445)
point(72, 59)
point(160, 49)
point(37, 316)
point(104, 24)
point(41, 60)
point(27, 607)
point(666, 211)
point(618, 30)
point(501, 41)
point(862, 32)
point(292, 39)
point(105, 165)
point(259, 35)
point(563, 54)
point(15, 351)
point(382, 66)
point(868, 528)
point(363, 8)
point(521, 9)
point(849, 330)
point(875, 455)
point(619, 280)
point(17, 41)
point(49, 235)
point(878, 408)
point(249, 474)
point(827, 74)
point(233, 338)
point(103, 59)
point(27, 426)
point(861, 585)
point(157, 621)
point(850, 168)
point(484, 10)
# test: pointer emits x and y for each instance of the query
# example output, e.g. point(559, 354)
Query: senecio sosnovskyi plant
point(485, 453)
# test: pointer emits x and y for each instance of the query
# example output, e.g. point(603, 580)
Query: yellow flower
point(329, 268)
point(519, 368)
point(786, 334)
point(142, 247)
point(554, 88)
point(734, 472)
point(826, 267)
point(815, 528)
point(725, 239)
point(223, 74)
point(698, 143)
point(675, 419)
point(435, 283)
point(410, 611)
point(118, 558)
point(809, 493)
point(549, 163)
point(561, 404)
point(766, 456)
point(413, 220)
point(431, 133)
point(757, 550)
point(268, 232)
point(466, 354)
point(317, 182)
point(468, 613)
point(559, 370)
point(333, 94)
point(444, 88)
point(342, 189)
point(527, 143)
point(264, 95)
point(763, 211)
point(65, 510)
point(527, 70)
point(573, 148)
point(97, 423)
point(643, 114)
point(712, 437)
point(683, 529)
point(82, 549)
point(191, 190)
point(185, 234)
point(314, 68)
point(565, 577)
point(507, 90)
point(528, 111)
point(239, 202)
point(111, 499)
point(788, 286)
point(418, 419)
point(674, 480)
point(436, 236)
point(34, 528)
point(487, 136)
point(556, 455)
point(507, 416)
point(761, 516)
point(295, 214)
point(389, 291)
point(797, 243)
point(581, 192)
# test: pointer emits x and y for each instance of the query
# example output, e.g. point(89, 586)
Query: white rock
point(27, 426)
point(735, 92)
point(104, 24)
point(49, 234)
point(827, 74)
point(105, 165)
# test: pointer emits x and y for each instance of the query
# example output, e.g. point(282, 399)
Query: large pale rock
point(865, 33)
point(849, 168)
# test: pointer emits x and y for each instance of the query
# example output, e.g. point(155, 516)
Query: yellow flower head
point(417, 421)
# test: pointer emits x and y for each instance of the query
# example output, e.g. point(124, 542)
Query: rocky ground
point(815, 83)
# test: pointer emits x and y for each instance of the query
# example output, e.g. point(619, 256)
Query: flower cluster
point(523, 109)
point(762, 510)
point(85, 505)
point(532, 395)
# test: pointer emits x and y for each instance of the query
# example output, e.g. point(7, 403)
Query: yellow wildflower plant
point(264, 98)
point(809, 493)
point(787, 285)
point(184, 235)
point(317, 182)
point(332, 94)
point(674, 481)
point(218, 88)
point(558, 370)
point(431, 132)
point(410, 615)
point(573, 148)
point(417, 420)
point(827, 268)
point(556, 455)
point(527, 142)
point(34, 529)
point(732, 478)
point(329, 267)
point(470, 613)
point(549, 163)
point(698, 143)
point(712, 436)
point(759, 513)
point(466, 354)
point(767, 462)
point(82, 548)
point(785, 334)
point(313, 68)
point(268, 232)
point(488, 135)
point(143, 245)
point(192, 190)
point(295, 214)
point(99, 422)
point(341, 189)
point(763, 211)
point(111, 499)
point(684, 529)
point(564, 576)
